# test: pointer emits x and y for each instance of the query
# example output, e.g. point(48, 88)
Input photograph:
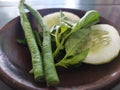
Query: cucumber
point(54, 18)
point(104, 44)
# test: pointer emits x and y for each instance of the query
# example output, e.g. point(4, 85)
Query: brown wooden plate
point(15, 62)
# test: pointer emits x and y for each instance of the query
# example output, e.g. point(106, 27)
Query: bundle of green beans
point(41, 68)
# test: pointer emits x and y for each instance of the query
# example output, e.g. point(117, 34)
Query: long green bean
point(35, 53)
point(49, 67)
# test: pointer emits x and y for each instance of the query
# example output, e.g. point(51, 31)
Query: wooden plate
point(15, 62)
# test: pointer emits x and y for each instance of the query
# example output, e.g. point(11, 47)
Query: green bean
point(35, 53)
point(37, 37)
point(49, 67)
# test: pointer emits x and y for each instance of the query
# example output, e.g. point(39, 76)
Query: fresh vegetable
point(74, 60)
point(72, 37)
point(74, 55)
point(76, 40)
point(49, 67)
point(104, 44)
point(37, 38)
point(96, 54)
point(90, 18)
point(35, 53)
point(73, 42)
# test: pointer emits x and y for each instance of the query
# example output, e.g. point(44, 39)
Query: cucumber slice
point(104, 44)
point(54, 18)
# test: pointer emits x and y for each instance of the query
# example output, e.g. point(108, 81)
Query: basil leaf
point(78, 58)
point(90, 18)
point(76, 41)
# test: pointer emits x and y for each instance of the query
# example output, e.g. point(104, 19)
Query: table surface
point(109, 9)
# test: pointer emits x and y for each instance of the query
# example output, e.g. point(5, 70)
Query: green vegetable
point(72, 37)
point(59, 32)
point(75, 60)
point(35, 53)
point(76, 40)
point(68, 36)
point(49, 67)
point(73, 46)
point(37, 38)
point(90, 18)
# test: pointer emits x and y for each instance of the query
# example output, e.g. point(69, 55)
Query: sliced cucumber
point(54, 18)
point(104, 44)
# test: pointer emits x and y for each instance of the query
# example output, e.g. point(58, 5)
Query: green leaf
point(90, 18)
point(57, 32)
point(73, 46)
point(76, 41)
point(78, 58)
point(59, 28)
point(63, 27)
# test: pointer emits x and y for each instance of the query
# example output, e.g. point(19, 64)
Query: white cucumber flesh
point(108, 49)
point(54, 18)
